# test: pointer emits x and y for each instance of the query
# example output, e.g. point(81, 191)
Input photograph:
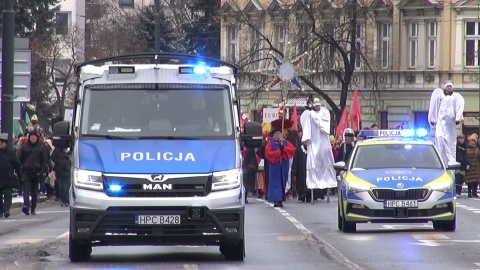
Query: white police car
point(396, 177)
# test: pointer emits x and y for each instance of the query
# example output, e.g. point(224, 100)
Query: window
point(60, 71)
point(330, 49)
point(256, 47)
point(62, 23)
point(232, 44)
point(421, 120)
point(472, 44)
point(384, 120)
point(413, 44)
point(126, 3)
point(304, 42)
point(280, 38)
point(384, 34)
point(432, 43)
point(359, 45)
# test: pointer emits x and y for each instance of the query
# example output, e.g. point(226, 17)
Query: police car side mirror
point(453, 165)
point(340, 166)
point(252, 135)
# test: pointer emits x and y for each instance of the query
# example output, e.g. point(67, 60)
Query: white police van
point(156, 154)
point(396, 176)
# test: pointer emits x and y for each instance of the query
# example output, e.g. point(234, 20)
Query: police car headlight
point(444, 186)
point(356, 187)
point(226, 180)
point(88, 179)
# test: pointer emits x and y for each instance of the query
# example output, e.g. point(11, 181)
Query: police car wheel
point(339, 219)
point(450, 226)
point(78, 252)
point(348, 227)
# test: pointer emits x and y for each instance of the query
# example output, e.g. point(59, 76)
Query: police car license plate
point(401, 204)
point(157, 219)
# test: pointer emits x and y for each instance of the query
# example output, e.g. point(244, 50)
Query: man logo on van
point(157, 177)
point(157, 186)
point(167, 156)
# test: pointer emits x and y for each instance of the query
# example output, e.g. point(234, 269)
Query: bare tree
point(112, 30)
point(337, 38)
point(54, 61)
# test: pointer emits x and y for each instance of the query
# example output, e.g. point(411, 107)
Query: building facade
point(408, 47)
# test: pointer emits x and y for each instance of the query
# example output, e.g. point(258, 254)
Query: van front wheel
point(78, 252)
point(234, 252)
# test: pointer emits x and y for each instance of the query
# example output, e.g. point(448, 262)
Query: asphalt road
point(299, 236)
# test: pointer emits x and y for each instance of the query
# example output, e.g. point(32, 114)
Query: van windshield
point(157, 111)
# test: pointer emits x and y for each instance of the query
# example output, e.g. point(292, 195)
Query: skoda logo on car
point(400, 185)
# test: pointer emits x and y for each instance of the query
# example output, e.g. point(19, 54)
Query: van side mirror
point(61, 134)
point(252, 135)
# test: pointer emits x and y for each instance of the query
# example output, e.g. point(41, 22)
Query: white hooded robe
point(443, 113)
point(316, 128)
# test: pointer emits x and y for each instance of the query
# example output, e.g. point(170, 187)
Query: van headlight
point(226, 180)
point(87, 179)
point(445, 186)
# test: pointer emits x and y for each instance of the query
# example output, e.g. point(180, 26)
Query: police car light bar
point(417, 133)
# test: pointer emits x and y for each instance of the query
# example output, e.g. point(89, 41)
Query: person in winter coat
point(250, 167)
point(472, 173)
point(8, 163)
point(461, 156)
point(61, 159)
point(33, 158)
point(347, 146)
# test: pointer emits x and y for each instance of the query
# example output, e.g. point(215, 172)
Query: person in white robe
point(316, 132)
point(444, 114)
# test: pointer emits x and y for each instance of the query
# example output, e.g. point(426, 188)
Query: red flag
point(343, 123)
point(355, 112)
point(294, 117)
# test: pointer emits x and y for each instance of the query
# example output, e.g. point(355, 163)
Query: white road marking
point(437, 243)
point(47, 212)
point(310, 236)
point(63, 235)
point(191, 266)
point(27, 220)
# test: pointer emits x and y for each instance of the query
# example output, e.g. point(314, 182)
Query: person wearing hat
point(9, 165)
point(33, 158)
point(316, 132)
point(472, 172)
point(278, 152)
point(445, 113)
point(461, 155)
point(282, 122)
point(347, 145)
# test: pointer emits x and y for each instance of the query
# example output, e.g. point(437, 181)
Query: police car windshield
point(171, 111)
point(420, 156)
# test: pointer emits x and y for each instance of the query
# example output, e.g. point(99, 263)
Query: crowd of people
point(297, 163)
point(33, 168)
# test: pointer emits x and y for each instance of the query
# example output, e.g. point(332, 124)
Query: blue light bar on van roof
point(406, 133)
point(192, 70)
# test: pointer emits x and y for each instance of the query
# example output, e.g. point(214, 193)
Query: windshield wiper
point(109, 137)
point(169, 138)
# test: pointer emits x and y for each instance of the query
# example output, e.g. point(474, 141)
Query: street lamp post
point(7, 69)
